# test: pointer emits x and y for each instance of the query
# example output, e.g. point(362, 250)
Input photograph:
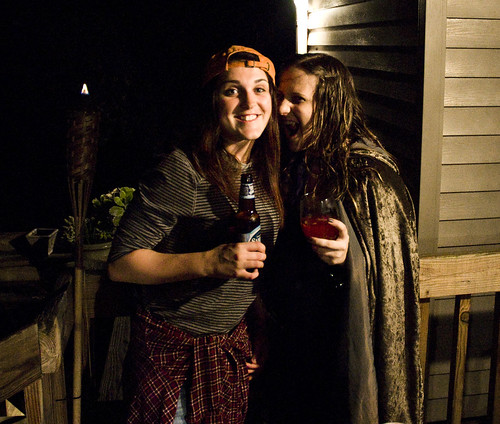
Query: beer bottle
point(247, 218)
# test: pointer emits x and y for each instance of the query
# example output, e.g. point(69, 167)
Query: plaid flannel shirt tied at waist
point(215, 364)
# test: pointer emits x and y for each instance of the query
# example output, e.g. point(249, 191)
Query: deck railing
point(462, 276)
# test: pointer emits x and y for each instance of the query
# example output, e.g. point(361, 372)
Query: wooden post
point(494, 390)
point(457, 371)
point(33, 397)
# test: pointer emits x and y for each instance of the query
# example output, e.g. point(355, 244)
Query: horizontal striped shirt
point(176, 210)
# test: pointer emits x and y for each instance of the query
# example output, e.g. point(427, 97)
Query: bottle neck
point(247, 197)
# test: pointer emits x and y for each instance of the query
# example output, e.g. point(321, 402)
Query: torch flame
point(85, 90)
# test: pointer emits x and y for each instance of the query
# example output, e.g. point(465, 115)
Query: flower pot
point(95, 256)
point(42, 240)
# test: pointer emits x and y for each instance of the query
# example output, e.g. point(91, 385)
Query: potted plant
point(103, 217)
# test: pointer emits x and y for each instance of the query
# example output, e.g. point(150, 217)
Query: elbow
point(114, 272)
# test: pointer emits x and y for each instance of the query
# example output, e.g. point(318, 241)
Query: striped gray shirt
point(176, 210)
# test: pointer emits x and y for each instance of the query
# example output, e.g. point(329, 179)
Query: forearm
point(149, 267)
point(144, 266)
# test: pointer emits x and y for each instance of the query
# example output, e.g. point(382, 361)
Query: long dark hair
point(217, 166)
point(337, 121)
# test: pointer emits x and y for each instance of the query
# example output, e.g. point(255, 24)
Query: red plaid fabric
point(166, 357)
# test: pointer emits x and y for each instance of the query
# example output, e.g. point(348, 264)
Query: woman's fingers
point(242, 260)
point(332, 252)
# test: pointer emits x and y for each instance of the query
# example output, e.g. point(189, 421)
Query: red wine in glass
point(314, 215)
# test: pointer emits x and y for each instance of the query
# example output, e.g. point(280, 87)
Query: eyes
point(295, 99)
point(234, 91)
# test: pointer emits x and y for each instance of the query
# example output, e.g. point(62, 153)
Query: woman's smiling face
point(296, 100)
point(245, 104)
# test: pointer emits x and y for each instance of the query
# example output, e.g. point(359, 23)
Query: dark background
point(142, 62)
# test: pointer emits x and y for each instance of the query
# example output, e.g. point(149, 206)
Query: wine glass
point(314, 214)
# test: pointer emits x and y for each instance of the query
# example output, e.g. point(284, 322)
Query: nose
point(284, 107)
point(248, 99)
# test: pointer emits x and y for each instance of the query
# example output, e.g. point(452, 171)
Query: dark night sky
point(142, 62)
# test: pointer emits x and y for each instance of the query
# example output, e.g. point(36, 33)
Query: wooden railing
point(462, 276)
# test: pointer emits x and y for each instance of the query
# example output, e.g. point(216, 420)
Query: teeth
point(247, 117)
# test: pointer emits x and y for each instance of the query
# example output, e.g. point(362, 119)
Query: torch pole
point(81, 160)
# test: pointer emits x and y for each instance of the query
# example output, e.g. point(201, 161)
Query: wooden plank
point(471, 149)
point(424, 338)
point(470, 177)
point(386, 36)
point(457, 375)
point(55, 404)
point(473, 9)
point(324, 4)
point(432, 126)
point(472, 92)
point(398, 90)
point(33, 397)
point(466, 250)
point(459, 274)
point(363, 13)
point(397, 62)
point(473, 33)
point(469, 232)
point(20, 359)
point(473, 63)
point(391, 115)
point(111, 387)
point(469, 205)
point(471, 121)
point(494, 386)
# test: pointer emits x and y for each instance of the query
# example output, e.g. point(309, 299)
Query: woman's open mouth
point(291, 128)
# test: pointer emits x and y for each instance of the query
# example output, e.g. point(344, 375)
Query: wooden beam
point(456, 275)
point(20, 359)
point(457, 375)
point(432, 126)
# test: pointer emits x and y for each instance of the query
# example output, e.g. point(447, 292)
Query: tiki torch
point(81, 157)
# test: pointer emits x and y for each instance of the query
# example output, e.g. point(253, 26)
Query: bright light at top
point(301, 7)
point(85, 90)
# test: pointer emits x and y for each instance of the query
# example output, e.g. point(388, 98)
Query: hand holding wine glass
point(331, 237)
point(314, 215)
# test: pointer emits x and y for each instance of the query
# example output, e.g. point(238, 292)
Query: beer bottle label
point(253, 235)
point(247, 191)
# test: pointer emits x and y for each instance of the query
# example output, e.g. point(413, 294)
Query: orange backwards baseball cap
point(221, 62)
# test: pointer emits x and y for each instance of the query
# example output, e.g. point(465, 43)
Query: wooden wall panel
point(473, 63)
point(363, 12)
point(471, 121)
point(472, 92)
point(324, 4)
point(470, 177)
point(473, 33)
point(469, 205)
point(395, 62)
point(471, 149)
point(397, 90)
point(469, 232)
point(391, 35)
point(473, 9)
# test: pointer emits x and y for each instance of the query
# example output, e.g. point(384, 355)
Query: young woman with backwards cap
point(190, 352)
